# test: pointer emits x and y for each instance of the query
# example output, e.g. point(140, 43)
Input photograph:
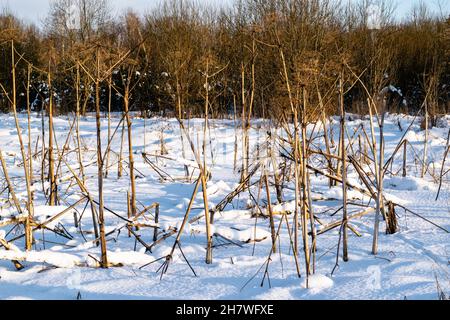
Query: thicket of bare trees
point(179, 39)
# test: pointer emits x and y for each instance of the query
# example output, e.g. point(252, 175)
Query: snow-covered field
point(409, 264)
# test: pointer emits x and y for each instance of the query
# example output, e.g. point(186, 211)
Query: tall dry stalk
point(101, 217)
point(425, 143)
point(77, 122)
point(28, 229)
point(305, 212)
point(204, 169)
point(244, 169)
point(271, 220)
point(202, 179)
point(126, 101)
point(343, 154)
point(119, 162)
point(379, 174)
point(109, 125)
point(9, 184)
point(180, 116)
point(30, 150)
point(300, 172)
point(51, 161)
point(444, 157)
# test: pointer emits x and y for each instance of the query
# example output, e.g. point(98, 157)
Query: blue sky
point(36, 10)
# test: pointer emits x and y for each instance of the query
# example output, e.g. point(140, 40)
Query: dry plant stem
point(378, 207)
point(344, 171)
point(83, 188)
point(203, 172)
point(304, 204)
point(297, 265)
point(244, 129)
point(207, 220)
point(381, 171)
point(179, 232)
point(421, 217)
point(304, 183)
point(155, 231)
point(296, 157)
point(180, 115)
point(28, 231)
point(391, 158)
point(43, 149)
point(277, 179)
point(235, 135)
point(51, 219)
point(101, 220)
point(129, 212)
point(13, 220)
point(109, 125)
point(327, 141)
point(297, 191)
point(247, 114)
point(441, 174)
point(9, 184)
point(336, 224)
point(362, 175)
point(119, 162)
point(145, 131)
point(186, 216)
point(30, 151)
point(269, 207)
point(269, 258)
point(404, 160)
point(425, 143)
point(313, 226)
point(339, 179)
point(206, 111)
point(77, 127)
point(126, 101)
point(379, 174)
point(65, 146)
point(7, 246)
point(51, 170)
point(109, 142)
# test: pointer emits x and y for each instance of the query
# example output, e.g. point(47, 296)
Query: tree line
point(172, 59)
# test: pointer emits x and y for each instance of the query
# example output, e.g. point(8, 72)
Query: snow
point(335, 193)
point(409, 184)
point(61, 265)
point(43, 213)
point(317, 283)
point(57, 259)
